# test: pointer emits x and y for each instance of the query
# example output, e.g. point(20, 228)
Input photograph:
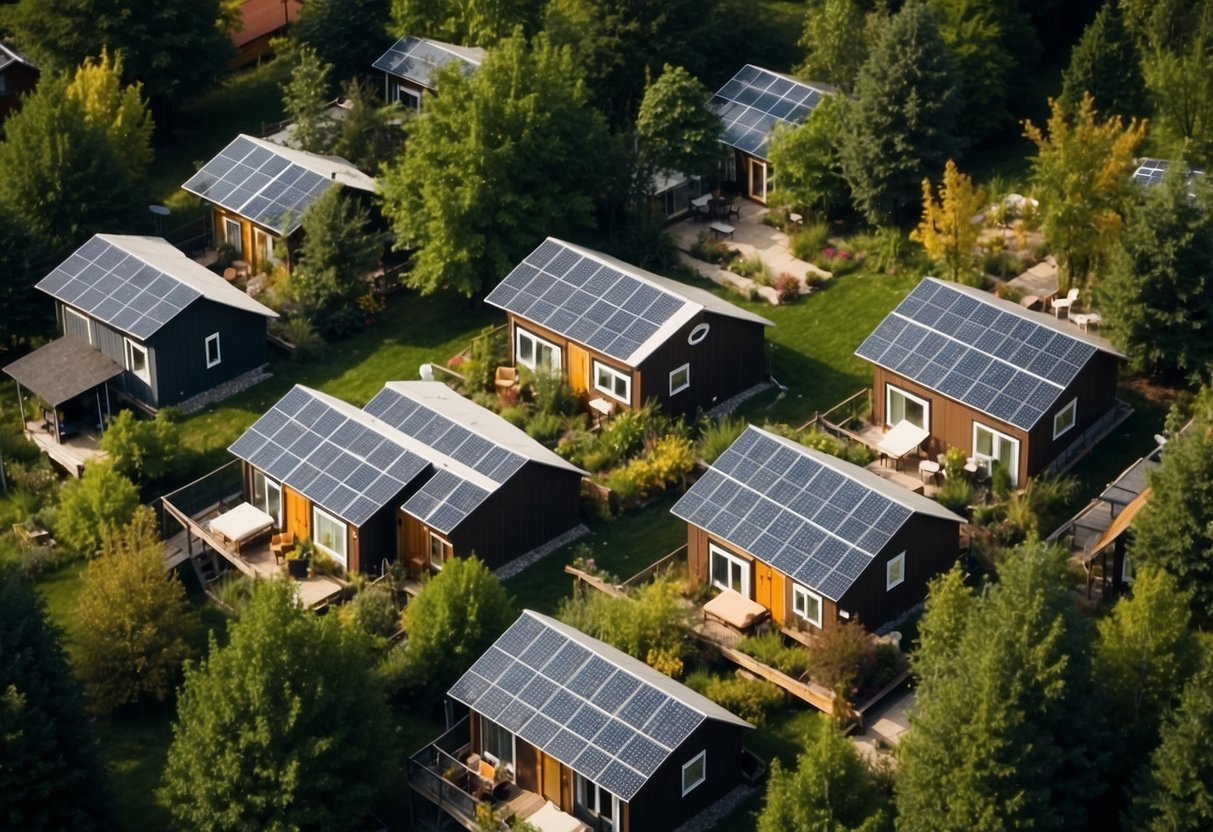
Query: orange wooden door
point(549, 778)
point(579, 369)
point(298, 516)
point(768, 590)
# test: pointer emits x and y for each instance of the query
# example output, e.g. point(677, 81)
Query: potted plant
point(297, 560)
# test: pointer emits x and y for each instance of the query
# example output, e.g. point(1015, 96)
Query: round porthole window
point(698, 334)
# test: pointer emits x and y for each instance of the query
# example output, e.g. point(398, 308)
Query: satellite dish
point(426, 371)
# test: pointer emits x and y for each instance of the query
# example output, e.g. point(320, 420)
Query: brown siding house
point(978, 373)
point(812, 538)
point(623, 335)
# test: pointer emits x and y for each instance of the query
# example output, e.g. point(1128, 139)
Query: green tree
point(50, 774)
point(831, 788)
point(947, 230)
point(806, 156)
point(1174, 531)
point(101, 499)
point(175, 47)
point(61, 174)
point(1157, 296)
point(288, 710)
point(677, 131)
point(339, 249)
point(134, 623)
point(466, 22)
point(835, 42)
point(23, 262)
point(142, 450)
point(974, 33)
point(901, 127)
point(347, 36)
point(457, 615)
point(649, 624)
point(1181, 88)
point(1175, 794)
point(305, 99)
point(492, 166)
point(1107, 64)
point(1081, 175)
point(118, 110)
point(1002, 733)
point(371, 133)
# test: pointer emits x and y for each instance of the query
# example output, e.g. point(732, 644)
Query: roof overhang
point(63, 369)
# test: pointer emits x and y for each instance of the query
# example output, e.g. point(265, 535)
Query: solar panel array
point(417, 60)
point(338, 463)
point(118, 289)
point(600, 720)
point(754, 100)
point(999, 363)
point(1150, 172)
point(259, 184)
point(806, 519)
point(585, 301)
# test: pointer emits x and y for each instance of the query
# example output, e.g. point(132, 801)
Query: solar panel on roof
point(754, 101)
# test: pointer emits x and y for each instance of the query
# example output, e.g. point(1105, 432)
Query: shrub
point(102, 498)
point(787, 287)
point(954, 461)
point(770, 649)
point(715, 437)
point(1000, 480)
point(1000, 264)
point(666, 463)
point(553, 394)
point(649, 624)
point(858, 454)
point(955, 494)
point(819, 441)
point(303, 336)
point(373, 611)
point(842, 657)
point(751, 267)
point(750, 699)
point(810, 240)
point(518, 415)
point(545, 426)
point(143, 450)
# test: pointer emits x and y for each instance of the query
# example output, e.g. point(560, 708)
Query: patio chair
point(505, 378)
point(1064, 303)
point(279, 543)
point(734, 210)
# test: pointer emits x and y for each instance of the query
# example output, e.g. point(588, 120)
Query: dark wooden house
point(987, 376)
point(259, 191)
point(601, 735)
point(410, 64)
point(495, 492)
point(623, 335)
point(420, 474)
point(750, 105)
point(175, 328)
point(813, 539)
point(18, 75)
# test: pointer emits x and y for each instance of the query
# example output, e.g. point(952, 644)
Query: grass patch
point(134, 747)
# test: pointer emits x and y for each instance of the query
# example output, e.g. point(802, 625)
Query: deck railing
point(428, 768)
point(671, 560)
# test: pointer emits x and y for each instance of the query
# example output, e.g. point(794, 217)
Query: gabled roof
point(475, 450)
point(138, 284)
point(417, 59)
point(990, 354)
point(609, 717)
point(270, 184)
point(9, 56)
point(754, 100)
point(814, 517)
point(610, 306)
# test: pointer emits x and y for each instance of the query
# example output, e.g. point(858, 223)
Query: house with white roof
point(409, 66)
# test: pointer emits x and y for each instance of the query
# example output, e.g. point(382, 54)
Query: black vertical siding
point(178, 350)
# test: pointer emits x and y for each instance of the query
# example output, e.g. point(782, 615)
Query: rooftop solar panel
point(417, 59)
point(754, 101)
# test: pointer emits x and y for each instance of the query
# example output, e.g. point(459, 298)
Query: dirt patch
point(1158, 393)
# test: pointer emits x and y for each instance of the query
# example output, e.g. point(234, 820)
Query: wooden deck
point(71, 453)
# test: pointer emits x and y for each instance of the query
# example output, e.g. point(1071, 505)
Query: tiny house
point(18, 75)
point(409, 65)
point(623, 335)
point(813, 539)
point(987, 376)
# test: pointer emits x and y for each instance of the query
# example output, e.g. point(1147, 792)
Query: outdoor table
point(242, 524)
point(901, 439)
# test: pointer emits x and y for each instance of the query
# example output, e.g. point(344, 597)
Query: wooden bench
point(719, 229)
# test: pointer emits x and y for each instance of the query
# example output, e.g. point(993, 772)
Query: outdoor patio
point(71, 452)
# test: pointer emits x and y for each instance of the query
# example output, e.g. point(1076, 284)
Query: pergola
point(61, 371)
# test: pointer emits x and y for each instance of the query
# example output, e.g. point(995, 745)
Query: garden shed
point(410, 63)
point(623, 335)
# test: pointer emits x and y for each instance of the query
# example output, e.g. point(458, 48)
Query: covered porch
point(71, 378)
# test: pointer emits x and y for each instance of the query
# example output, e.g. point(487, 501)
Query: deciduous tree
point(465, 22)
point(118, 110)
point(1081, 175)
point(305, 97)
point(947, 230)
point(495, 163)
point(100, 499)
point(901, 126)
point(806, 156)
point(371, 134)
point(1181, 88)
point(976, 34)
point(677, 131)
point(347, 36)
point(648, 624)
point(23, 262)
point(290, 712)
point(135, 625)
point(1107, 64)
point(835, 40)
point(50, 774)
point(143, 450)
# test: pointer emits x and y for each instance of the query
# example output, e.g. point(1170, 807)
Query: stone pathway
point(537, 554)
point(228, 388)
point(880, 740)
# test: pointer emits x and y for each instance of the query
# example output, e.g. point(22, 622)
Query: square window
point(680, 379)
point(895, 571)
point(615, 383)
point(212, 350)
point(806, 604)
point(694, 772)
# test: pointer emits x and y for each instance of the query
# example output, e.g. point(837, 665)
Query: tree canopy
point(494, 164)
point(947, 230)
point(288, 710)
point(806, 156)
point(143, 450)
point(100, 499)
point(901, 126)
point(118, 110)
point(465, 22)
point(305, 97)
point(1106, 63)
point(835, 40)
point(347, 36)
point(677, 131)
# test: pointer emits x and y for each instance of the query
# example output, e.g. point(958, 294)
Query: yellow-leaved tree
point(120, 111)
point(1082, 178)
point(948, 231)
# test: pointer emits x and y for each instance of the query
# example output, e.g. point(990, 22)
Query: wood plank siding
point(252, 240)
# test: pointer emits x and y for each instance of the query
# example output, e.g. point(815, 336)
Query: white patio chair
point(1065, 303)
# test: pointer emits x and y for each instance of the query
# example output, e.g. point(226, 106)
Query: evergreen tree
point(1107, 64)
point(118, 110)
point(371, 134)
point(1181, 88)
point(947, 230)
point(23, 262)
point(135, 624)
point(831, 788)
point(985, 64)
point(494, 164)
point(305, 98)
point(1157, 298)
point(50, 774)
point(901, 127)
point(677, 131)
point(100, 499)
point(284, 728)
point(1175, 796)
point(1003, 734)
point(835, 42)
point(457, 615)
point(806, 156)
point(347, 36)
point(338, 251)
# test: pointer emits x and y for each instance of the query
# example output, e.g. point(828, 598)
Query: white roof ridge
point(336, 168)
point(821, 86)
point(466, 53)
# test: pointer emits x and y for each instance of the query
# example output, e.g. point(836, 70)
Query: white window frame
point(409, 97)
point(536, 342)
point(899, 563)
point(490, 756)
point(1072, 409)
point(263, 244)
point(617, 377)
point(998, 437)
point(583, 797)
point(432, 538)
point(88, 323)
point(733, 560)
point(341, 557)
point(212, 338)
point(228, 225)
point(268, 484)
point(130, 348)
point(803, 594)
point(699, 333)
point(889, 390)
point(685, 368)
point(701, 757)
